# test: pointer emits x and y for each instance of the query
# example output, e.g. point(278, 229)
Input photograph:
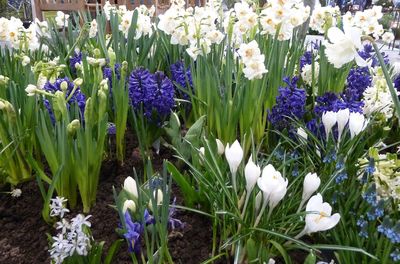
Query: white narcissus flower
point(329, 119)
point(357, 123)
point(31, 90)
point(249, 52)
point(255, 69)
point(131, 187)
point(252, 173)
point(220, 146)
point(273, 185)
point(343, 46)
point(129, 204)
point(310, 185)
point(342, 119)
point(234, 155)
point(319, 216)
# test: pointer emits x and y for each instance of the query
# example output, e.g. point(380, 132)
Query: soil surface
point(23, 236)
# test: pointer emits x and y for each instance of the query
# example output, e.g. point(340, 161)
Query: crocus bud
point(64, 86)
point(220, 146)
point(129, 204)
point(25, 60)
point(356, 124)
point(78, 82)
point(302, 133)
point(31, 90)
point(73, 126)
point(158, 196)
point(202, 151)
point(259, 197)
point(131, 187)
point(342, 119)
point(310, 185)
point(234, 155)
point(252, 173)
point(329, 120)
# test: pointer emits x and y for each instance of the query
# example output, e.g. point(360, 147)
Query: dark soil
point(23, 236)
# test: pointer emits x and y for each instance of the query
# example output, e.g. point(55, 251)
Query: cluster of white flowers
point(283, 16)
point(367, 21)
point(13, 32)
point(243, 20)
point(73, 238)
point(193, 27)
point(144, 26)
point(377, 97)
point(61, 19)
point(356, 122)
point(253, 60)
point(324, 17)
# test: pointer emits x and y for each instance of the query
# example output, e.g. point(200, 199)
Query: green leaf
point(189, 193)
point(251, 249)
point(194, 132)
point(113, 251)
point(281, 250)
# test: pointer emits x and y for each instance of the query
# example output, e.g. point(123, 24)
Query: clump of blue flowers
point(290, 104)
point(358, 80)
point(153, 93)
point(77, 97)
point(332, 102)
point(182, 77)
point(368, 53)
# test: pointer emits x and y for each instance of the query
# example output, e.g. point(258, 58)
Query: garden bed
point(23, 232)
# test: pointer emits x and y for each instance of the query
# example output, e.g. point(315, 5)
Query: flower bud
point(302, 133)
point(131, 187)
point(88, 110)
point(357, 124)
point(234, 155)
point(78, 82)
point(25, 61)
point(129, 204)
point(252, 173)
point(220, 146)
point(329, 119)
point(310, 185)
point(342, 119)
point(96, 53)
point(73, 127)
point(2, 105)
point(31, 90)
point(111, 55)
point(64, 86)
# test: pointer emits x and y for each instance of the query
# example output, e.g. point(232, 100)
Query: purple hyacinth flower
point(77, 58)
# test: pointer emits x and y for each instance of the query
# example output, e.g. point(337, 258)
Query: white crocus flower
point(319, 216)
point(357, 123)
point(220, 146)
point(329, 119)
point(311, 183)
point(234, 155)
point(274, 188)
point(343, 46)
point(342, 119)
point(129, 204)
point(131, 187)
point(252, 173)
